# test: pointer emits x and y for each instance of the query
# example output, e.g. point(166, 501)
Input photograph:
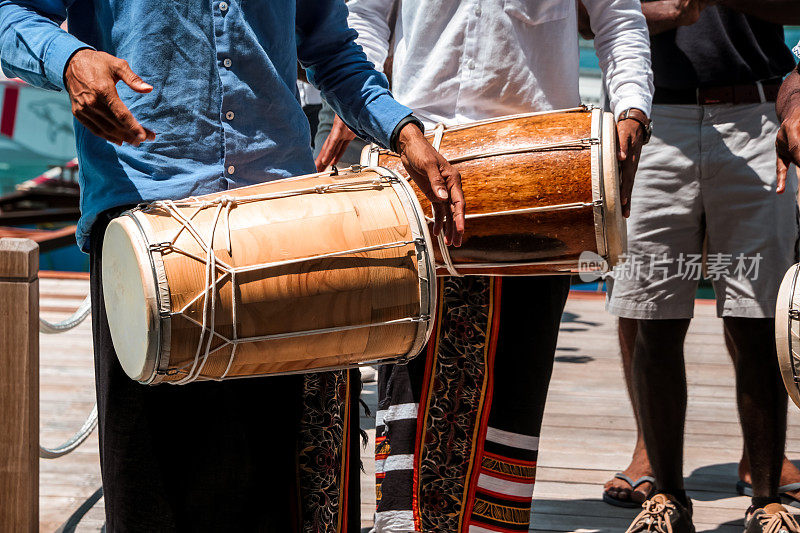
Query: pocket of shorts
point(537, 11)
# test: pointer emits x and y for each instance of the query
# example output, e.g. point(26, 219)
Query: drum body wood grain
point(304, 274)
point(540, 189)
point(787, 332)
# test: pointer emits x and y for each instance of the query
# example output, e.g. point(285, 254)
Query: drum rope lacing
point(214, 264)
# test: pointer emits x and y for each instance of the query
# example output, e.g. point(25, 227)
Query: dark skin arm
point(662, 15)
point(438, 180)
point(665, 15)
point(787, 143)
point(630, 135)
point(630, 132)
point(91, 78)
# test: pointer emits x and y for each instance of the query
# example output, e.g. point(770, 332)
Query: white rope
point(74, 441)
point(84, 309)
point(67, 324)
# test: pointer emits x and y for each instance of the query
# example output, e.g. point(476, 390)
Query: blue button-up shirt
point(224, 102)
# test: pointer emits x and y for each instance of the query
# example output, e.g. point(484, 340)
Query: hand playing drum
point(543, 188)
point(435, 177)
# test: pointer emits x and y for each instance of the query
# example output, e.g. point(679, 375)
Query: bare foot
point(640, 466)
point(789, 474)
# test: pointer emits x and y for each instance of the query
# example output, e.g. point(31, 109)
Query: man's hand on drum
point(335, 144)
point(630, 134)
point(90, 79)
point(437, 179)
point(788, 142)
point(788, 146)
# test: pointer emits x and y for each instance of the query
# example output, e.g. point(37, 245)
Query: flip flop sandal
point(746, 489)
point(630, 504)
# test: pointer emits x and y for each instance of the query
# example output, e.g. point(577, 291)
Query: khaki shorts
point(707, 173)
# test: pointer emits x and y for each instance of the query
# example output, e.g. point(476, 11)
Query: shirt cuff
point(380, 118)
point(628, 102)
point(59, 52)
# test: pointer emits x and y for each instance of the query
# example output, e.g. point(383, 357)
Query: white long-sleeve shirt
point(459, 61)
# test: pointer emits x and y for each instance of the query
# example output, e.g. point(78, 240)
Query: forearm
point(623, 48)
point(661, 16)
point(370, 18)
point(788, 101)
point(32, 45)
point(776, 11)
point(337, 66)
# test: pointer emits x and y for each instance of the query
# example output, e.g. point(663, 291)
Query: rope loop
point(74, 441)
point(67, 324)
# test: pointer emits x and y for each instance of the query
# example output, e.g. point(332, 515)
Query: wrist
point(639, 116)
point(791, 109)
point(79, 52)
point(82, 54)
point(406, 131)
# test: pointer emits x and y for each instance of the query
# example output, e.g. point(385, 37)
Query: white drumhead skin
point(130, 298)
point(786, 331)
point(616, 228)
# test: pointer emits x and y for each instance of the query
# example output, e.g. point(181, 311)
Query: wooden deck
point(587, 436)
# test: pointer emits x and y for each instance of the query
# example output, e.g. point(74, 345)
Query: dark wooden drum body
point(540, 188)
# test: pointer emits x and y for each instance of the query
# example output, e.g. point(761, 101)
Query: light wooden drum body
point(787, 332)
point(540, 188)
point(311, 273)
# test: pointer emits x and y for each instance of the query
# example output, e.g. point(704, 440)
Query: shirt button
point(229, 115)
point(471, 64)
point(231, 169)
point(227, 62)
point(223, 6)
point(478, 11)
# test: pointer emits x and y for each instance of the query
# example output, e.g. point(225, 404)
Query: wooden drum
point(787, 332)
point(312, 273)
point(541, 189)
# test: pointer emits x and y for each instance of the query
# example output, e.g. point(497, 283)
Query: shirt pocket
point(537, 11)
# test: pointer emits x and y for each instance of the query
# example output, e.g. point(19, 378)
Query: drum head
point(129, 291)
point(616, 229)
point(787, 333)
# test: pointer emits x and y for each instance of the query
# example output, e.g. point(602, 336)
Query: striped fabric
point(457, 427)
point(505, 483)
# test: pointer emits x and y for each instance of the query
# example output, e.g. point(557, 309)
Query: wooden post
point(19, 386)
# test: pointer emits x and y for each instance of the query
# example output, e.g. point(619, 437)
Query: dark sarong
point(457, 428)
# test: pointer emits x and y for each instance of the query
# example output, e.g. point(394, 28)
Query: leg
point(530, 317)
point(790, 474)
point(761, 400)
point(619, 489)
point(656, 286)
point(430, 410)
point(758, 231)
point(659, 379)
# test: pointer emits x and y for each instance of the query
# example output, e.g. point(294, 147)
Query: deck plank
point(587, 434)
